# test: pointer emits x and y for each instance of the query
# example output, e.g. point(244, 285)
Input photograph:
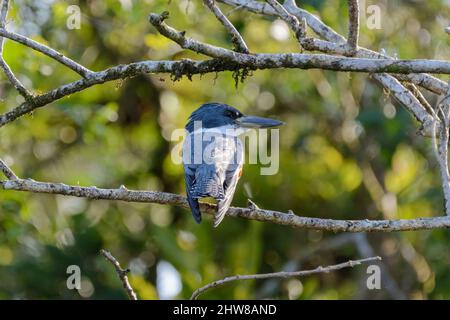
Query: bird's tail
point(207, 183)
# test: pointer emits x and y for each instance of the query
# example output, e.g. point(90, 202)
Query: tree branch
point(224, 59)
point(236, 37)
point(282, 274)
point(52, 53)
point(353, 26)
point(9, 174)
point(298, 28)
point(429, 82)
point(122, 273)
point(3, 65)
point(250, 213)
point(442, 152)
point(336, 44)
point(231, 61)
point(297, 60)
point(190, 67)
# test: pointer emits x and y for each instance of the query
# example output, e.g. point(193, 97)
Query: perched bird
point(213, 154)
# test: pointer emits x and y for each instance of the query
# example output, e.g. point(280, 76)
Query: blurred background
point(347, 152)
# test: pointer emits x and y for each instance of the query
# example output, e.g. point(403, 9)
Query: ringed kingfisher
point(213, 154)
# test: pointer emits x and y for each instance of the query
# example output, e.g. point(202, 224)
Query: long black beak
point(257, 122)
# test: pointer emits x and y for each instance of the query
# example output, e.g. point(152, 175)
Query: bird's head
point(217, 115)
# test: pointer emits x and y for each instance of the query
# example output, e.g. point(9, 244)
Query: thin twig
point(353, 26)
point(422, 99)
point(52, 53)
point(7, 171)
point(282, 274)
point(122, 273)
point(3, 65)
point(236, 37)
point(298, 27)
point(277, 217)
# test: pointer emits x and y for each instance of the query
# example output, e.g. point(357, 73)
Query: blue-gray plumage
point(213, 154)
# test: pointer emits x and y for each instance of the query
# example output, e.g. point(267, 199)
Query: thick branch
point(176, 68)
point(442, 152)
point(231, 61)
point(287, 219)
point(122, 273)
point(282, 274)
point(236, 37)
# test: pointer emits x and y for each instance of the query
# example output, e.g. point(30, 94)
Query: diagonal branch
point(52, 53)
point(3, 65)
point(9, 174)
point(298, 28)
point(236, 37)
point(282, 274)
point(122, 273)
point(420, 97)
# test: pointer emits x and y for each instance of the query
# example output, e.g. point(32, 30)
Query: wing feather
point(189, 176)
point(230, 184)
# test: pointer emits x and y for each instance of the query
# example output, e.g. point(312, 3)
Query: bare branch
point(236, 37)
point(14, 81)
point(282, 274)
point(297, 60)
point(298, 28)
point(411, 103)
point(176, 68)
point(442, 154)
point(232, 61)
point(3, 65)
point(7, 171)
point(52, 53)
point(429, 82)
point(122, 273)
point(336, 45)
point(287, 219)
point(421, 99)
point(353, 26)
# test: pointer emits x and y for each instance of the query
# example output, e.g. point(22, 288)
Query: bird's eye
point(233, 114)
